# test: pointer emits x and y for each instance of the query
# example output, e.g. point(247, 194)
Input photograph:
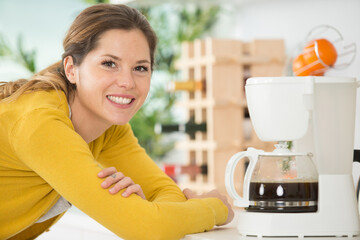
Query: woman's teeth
point(119, 100)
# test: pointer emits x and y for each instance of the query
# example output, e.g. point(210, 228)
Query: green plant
point(26, 58)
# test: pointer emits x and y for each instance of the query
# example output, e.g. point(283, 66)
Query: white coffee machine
point(316, 114)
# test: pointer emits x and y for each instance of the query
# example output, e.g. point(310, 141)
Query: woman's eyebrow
point(119, 59)
point(143, 61)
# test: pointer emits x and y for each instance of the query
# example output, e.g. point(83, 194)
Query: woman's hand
point(119, 181)
point(212, 194)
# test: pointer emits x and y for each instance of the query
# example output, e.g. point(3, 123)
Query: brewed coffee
point(283, 196)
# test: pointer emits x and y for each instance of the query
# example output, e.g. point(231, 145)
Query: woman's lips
point(121, 101)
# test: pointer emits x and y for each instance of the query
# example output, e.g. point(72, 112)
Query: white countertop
point(75, 225)
point(223, 233)
point(229, 232)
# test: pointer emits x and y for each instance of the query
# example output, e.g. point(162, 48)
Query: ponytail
point(50, 78)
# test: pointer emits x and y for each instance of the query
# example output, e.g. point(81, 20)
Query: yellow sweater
point(42, 157)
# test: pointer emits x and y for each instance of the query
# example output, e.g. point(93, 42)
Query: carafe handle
point(252, 154)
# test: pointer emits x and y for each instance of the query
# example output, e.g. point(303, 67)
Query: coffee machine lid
point(297, 80)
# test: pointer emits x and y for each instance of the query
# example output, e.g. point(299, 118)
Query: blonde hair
point(47, 79)
point(82, 38)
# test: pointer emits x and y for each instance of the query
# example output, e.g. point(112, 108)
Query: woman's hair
point(81, 38)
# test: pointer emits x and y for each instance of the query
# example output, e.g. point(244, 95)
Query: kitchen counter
point(77, 225)
point(232, 234)
point(217, 233)
point(229, 232)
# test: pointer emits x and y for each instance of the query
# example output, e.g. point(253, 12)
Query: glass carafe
point(278, 181)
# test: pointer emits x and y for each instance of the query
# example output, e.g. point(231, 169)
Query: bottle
point(190, 85)
point(174, 171)
point(190, 128)
point(356, 155)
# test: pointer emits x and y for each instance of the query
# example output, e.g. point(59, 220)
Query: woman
point(67, 145)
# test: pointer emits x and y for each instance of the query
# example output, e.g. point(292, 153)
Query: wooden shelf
point(211, 103)
point(224, 65)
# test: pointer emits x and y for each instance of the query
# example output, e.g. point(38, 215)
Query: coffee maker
point(317, 115)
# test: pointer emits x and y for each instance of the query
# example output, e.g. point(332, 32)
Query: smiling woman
point(65, 137)
point(116, 74)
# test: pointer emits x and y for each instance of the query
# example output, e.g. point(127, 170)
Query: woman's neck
point(85, 124)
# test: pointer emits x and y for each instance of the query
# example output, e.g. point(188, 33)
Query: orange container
point(316, 58)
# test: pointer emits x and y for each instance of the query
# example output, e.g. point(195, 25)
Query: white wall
point(291, 20)
point(42, 24)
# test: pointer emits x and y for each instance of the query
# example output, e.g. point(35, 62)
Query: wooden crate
point(224, 65)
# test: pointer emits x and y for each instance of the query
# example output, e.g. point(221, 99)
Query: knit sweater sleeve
point(46, 142)
point(121, 150)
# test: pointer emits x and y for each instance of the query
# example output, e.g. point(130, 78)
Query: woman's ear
point(69, 69)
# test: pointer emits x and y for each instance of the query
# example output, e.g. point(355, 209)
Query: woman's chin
point(120, 121)
point(119, 118)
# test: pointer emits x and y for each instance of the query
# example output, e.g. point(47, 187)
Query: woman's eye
point(109, 64)
point(141, 69)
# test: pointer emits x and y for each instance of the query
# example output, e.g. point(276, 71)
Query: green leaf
point(19, 54)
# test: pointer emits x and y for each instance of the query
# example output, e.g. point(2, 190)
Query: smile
point(120, 100)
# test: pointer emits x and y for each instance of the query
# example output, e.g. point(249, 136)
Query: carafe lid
point(281, 149)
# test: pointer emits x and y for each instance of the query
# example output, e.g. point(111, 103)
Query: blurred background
point(31, 34)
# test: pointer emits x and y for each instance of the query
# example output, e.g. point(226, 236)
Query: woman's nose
point(125, 80)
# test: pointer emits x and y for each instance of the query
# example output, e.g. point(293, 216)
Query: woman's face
point(113, 80)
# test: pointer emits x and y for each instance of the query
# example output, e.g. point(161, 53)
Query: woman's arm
point(116, 181)
point(122, 151)
point(46, 142)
